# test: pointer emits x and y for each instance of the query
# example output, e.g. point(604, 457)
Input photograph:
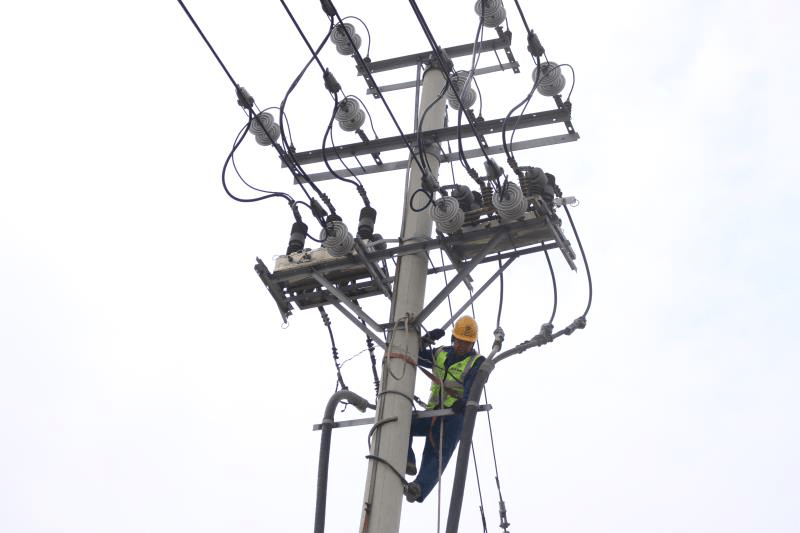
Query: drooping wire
point(250, 112)
point(368, 76)
point(480, 493)
point(436, 52)
point(555, 287)
point(585, 262)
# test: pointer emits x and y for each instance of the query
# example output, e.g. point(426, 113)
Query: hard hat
point(466, 329)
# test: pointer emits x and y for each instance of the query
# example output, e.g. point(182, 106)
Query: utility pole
point(383, 495)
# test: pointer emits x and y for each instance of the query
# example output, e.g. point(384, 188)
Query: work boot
point(413, 492)
point(411, 468)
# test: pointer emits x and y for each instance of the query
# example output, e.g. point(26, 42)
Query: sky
point(147, 383)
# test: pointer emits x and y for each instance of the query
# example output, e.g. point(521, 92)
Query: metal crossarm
point(552, 116)
point(414, 415)
point(501, 43)
point(446, 158)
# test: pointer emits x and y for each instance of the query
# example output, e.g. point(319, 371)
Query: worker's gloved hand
point(458, 407)
point(433, 336)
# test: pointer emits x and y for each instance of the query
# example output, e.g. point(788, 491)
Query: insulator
point(256, 128)
point(338, 242)
point(492, 12)
point(350, 115)
point(468, 95)
point(512, 205)
point(297, 238)
point(447, 214)
point(339, 38)
point(551, 80)
point(539, 184)
point(366, 222)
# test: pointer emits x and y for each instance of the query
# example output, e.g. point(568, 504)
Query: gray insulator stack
point(349, 114)
point(512, 205)
point(493, 12)
point(551, 80)
point(339, 38)
point(257, 125)
point(462, 81)
point(537, 183)
point(338, 242)
point(447, 214)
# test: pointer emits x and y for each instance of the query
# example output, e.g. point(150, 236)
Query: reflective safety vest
point(453, 382)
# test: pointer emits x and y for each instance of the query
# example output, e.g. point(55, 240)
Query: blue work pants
point(429, 428)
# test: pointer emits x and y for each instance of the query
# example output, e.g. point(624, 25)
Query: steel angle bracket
point(415, 414)
point(440, 135)
point(373, 271)
point(503, 42)
point(344, 304)
point(499, 235)
point(455, 259)
point(274, 289)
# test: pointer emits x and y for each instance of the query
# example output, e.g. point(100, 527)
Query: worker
point(454, 369)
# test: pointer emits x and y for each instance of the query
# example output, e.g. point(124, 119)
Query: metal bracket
point(474, 262)
point(414, 415)
point(283, 304)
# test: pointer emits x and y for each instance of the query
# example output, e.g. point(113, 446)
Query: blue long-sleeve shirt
point(426, 360)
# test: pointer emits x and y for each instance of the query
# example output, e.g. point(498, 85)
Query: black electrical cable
point(424, 207)
point(240, 137)
point(251, 113)
point(303, 35)
point(296, 168)
point(508, 153)
point(500, 305)
point(555, 287)
point(368, 76)
point(420, 145)
point(522, 16)
point(585, 262)
point(435, 49)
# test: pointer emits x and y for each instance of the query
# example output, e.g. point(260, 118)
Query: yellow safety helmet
point(466, 329)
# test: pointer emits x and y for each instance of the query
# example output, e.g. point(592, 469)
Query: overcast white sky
point(146, 384)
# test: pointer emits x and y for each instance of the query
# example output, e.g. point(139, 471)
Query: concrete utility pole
point(383, 495)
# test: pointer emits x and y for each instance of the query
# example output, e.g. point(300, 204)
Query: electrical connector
point(327, 7)
point(493, 170)
point(330, 82)
point(317, 210)
point(243, 98)
point(534, 45)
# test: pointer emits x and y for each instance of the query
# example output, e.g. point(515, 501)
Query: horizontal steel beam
point(461, 50)
point(409, 84)
point(468, 154)
point(415, 414)
point(441, 135)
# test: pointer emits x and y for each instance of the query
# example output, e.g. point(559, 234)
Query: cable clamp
point(578, 323)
